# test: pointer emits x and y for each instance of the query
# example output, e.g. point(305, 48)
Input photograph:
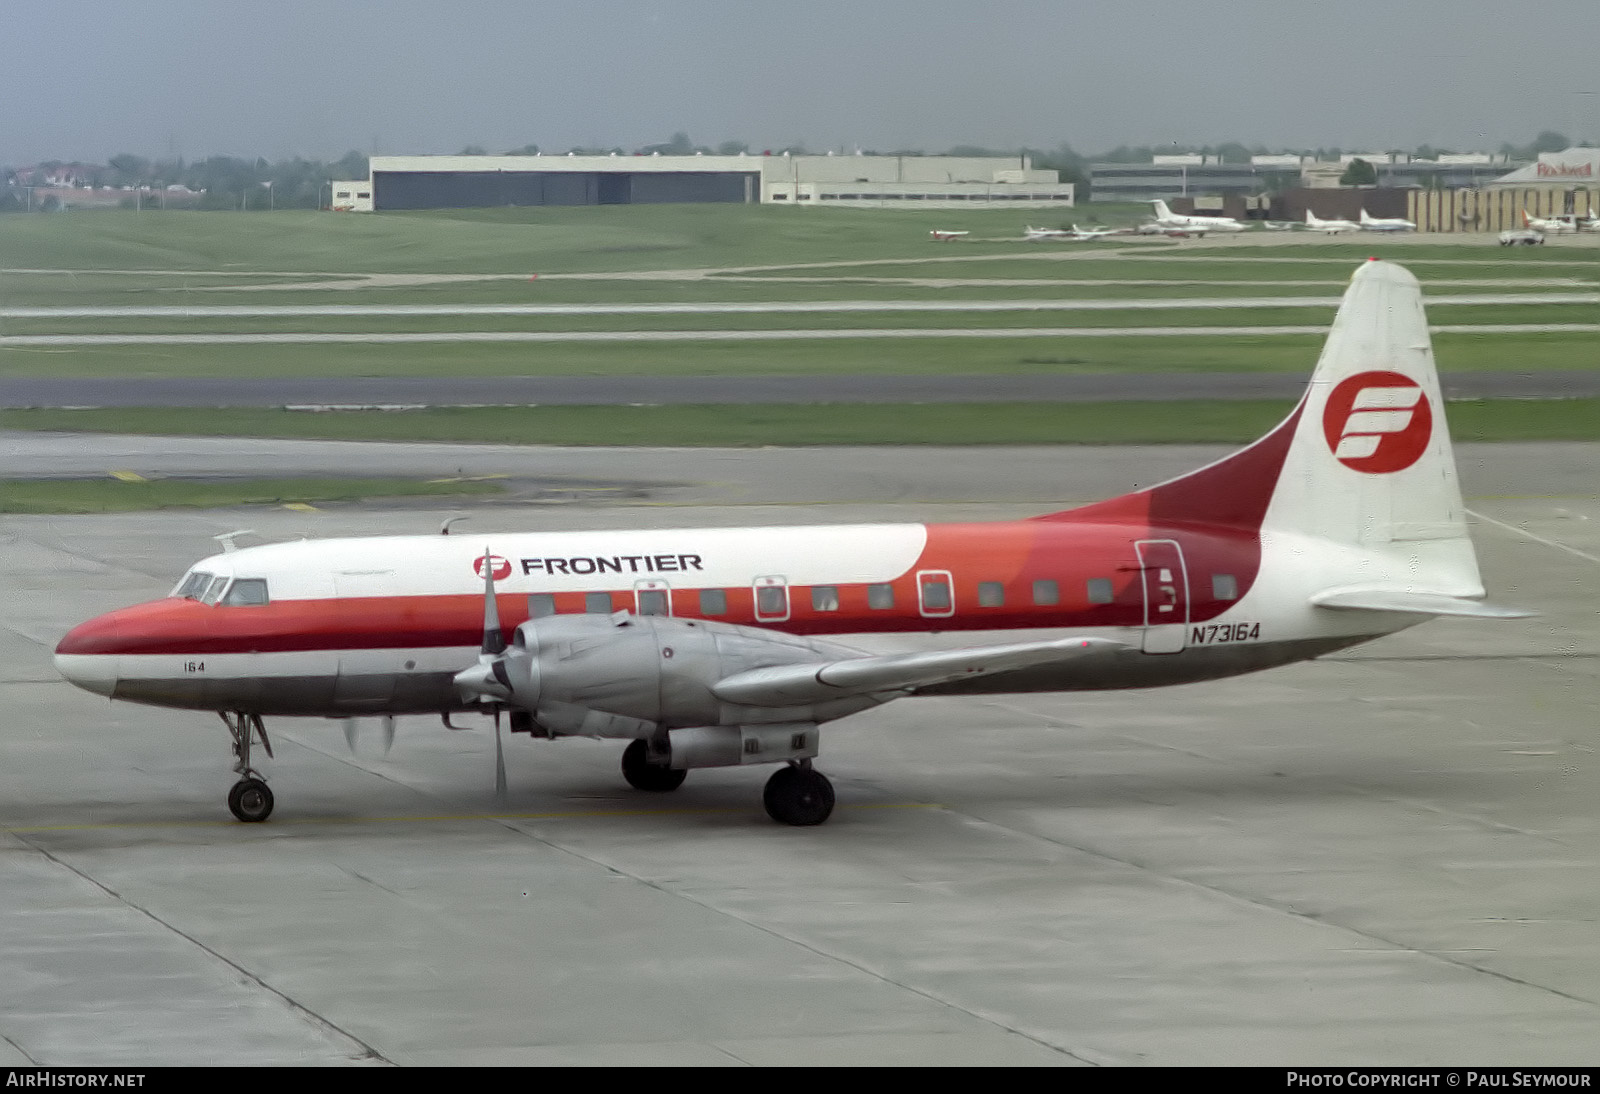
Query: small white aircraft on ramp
point(941, 235)
point(1559, 224)
point(1385, 224)
point(1173, 231)
point(1167, 218)
point(1315, 223)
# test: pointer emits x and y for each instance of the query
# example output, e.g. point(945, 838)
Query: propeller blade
point(499, 761)
point(494, 639)
point(350, 734)
point(388, 733)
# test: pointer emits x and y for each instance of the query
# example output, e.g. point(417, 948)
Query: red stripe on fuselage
point(1014, 555)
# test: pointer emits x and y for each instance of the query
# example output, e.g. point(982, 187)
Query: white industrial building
point(443, 182)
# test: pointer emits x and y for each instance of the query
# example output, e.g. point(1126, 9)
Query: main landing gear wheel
point(644, 775)
point(798, 795)
point(250, 800)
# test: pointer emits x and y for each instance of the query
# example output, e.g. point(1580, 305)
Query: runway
point(421, 391)
point(288, 338)
point(776, 307)
point(1385, 857)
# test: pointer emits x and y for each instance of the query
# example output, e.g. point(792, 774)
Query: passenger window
point(1224, 587)
point(935, 593)
point(541, 605)
point(597, 603)
point(770, 600)
point(652, 602)
point(713, 602)
point(1099, 590)
point(880, 597)
point(213, 590)
point(991, 594)
point(825, 598)
point(247, 592)
point(193, 584)
point(1046, 591)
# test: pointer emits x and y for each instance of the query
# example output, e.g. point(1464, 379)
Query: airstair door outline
point(1166, 595)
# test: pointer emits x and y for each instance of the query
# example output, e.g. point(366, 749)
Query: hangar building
point(460, 182)
point(1559, 182)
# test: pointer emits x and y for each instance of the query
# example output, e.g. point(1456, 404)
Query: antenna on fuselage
point(227, 538)
point(444, 529)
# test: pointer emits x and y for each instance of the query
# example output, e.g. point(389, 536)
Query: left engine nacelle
point(628, 676)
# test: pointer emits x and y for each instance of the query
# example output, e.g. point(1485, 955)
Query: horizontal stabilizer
point(791, 685)
point(1382, 599)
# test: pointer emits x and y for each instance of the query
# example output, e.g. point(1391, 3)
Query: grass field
point(111, 495)
point(756, 425)
point(1294, 353)
point(736, 254)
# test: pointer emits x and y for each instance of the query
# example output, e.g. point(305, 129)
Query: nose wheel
point(250, 800)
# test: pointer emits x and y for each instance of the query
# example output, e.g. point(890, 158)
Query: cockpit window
point(247, 591)
point(193, 584)
point(214, 590)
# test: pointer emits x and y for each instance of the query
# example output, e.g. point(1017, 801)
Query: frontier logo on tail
point(1378, 422)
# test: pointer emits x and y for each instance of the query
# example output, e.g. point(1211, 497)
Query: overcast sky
point(285, 77)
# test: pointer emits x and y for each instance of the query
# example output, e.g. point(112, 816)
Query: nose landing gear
point(250, 800)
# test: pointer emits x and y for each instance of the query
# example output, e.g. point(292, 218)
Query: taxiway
point(1384, 857)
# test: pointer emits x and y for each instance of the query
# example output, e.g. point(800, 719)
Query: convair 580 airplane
point(714, 647)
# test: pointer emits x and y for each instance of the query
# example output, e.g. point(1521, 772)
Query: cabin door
point(1166, 595)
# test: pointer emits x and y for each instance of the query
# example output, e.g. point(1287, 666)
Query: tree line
point(232, 182)
point(217, 182)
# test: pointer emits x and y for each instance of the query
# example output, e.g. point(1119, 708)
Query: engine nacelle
point(626, 675)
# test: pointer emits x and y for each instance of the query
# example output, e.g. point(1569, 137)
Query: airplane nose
point(89, 671)
point(87, 656)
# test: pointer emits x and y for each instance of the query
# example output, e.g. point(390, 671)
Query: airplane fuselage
point(381, 626)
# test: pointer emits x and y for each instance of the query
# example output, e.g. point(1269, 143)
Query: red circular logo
point(502, 568)
point(1378, 422)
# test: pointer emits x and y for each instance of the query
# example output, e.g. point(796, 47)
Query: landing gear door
point(1166, 595)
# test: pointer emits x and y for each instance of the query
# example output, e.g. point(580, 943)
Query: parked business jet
point(1172, 231)
point(1075, 233)
point(1167, 218)
point(717, 647)
point(1096, 233)
point(1560, 224)
point(1315, 223)
point(1385, 224)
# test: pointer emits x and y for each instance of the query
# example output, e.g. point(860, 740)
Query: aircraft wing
point(792, 685)
point(1377, 598)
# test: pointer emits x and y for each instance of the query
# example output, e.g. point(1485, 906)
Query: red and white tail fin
point(1370, 460)
point(1364, 457)
point(1363, 464)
